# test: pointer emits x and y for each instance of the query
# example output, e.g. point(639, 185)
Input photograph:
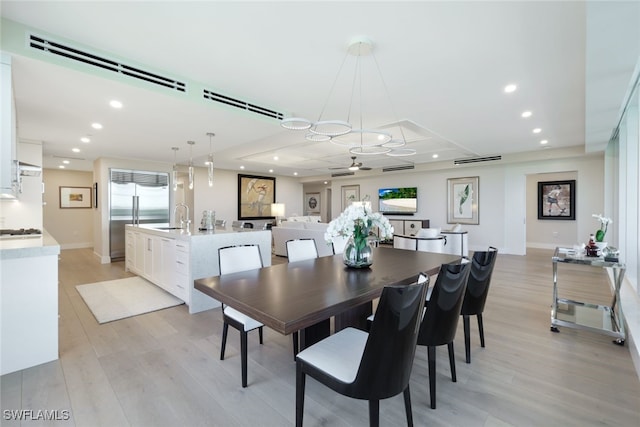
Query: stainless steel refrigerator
point(136, 197)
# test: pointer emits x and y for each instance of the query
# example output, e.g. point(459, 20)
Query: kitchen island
point(28, 301)
point(172, 258)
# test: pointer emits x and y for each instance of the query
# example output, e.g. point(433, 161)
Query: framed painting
point(255, 196)
point(463, 200)
point(75, 197)
point(350, 194)
point(312, 203)
point(557, 200)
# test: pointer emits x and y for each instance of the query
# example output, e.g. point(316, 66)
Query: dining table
point(304, 295)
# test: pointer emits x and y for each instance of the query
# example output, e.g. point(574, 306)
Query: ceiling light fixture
point(85, 140)
point(209, 161)
point(544, 142)
point(115, 104)
point(342, 132)
point(526, 114)
point(75, 150)
point(510, 88)
point(191, 144)
point(174, 172)
point(537, 130)
point(96, 125)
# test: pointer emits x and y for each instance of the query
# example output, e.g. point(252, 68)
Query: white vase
point(601, 245)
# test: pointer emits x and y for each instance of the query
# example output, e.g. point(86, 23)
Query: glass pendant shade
point(190, 177)
point(210, 169)
point(174, 178)
point(191, 170)
point(174, 172)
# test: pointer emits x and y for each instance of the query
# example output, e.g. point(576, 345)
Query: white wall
point(503, 199)
point(223, 196)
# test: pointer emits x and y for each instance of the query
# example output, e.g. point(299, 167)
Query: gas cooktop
point(8, 232)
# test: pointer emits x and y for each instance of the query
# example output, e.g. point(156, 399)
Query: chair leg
point(467, 338)
point(452, 362)
point(300, 381)
point(374, 413)
point(225, 330)
point(243, 356)
point(407, 406)
point(260, 333)
point(481, 329)
point(295, 345)
point(431, 358)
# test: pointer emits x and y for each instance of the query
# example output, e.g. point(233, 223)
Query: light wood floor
point(163, 368)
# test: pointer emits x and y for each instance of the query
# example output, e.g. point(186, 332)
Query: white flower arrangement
point(604, 224)
point(357, 221)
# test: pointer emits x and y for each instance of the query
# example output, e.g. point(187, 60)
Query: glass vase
point(357, 253)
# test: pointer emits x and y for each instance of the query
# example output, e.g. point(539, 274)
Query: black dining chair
point(482, 264)
point(440, 319)
point(369, 366)
point(300, 250)
point(233, 259)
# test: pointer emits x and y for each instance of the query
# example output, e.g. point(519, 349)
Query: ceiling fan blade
point(338, 168)
point(365, 168)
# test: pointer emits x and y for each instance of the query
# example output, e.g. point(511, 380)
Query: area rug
point(122, 298)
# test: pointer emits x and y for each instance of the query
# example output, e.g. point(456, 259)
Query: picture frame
point(350, 193)
point(75, 197)
point(463, 196)
point(557, 200)
point(312, 204)
point(95, 195)
point(255, 196)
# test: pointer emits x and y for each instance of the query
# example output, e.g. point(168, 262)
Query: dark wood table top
point(291, 296)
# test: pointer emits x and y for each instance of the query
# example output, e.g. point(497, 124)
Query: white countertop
point(28, 246)
point(168, 230)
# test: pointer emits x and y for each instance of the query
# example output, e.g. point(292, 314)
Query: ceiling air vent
point(333, 175)
point(104, 63)
point(243, 105)
point(476, 160)
point(398, 168)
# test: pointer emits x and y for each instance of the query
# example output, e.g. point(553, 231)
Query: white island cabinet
point(29, 302)
point(173, 258)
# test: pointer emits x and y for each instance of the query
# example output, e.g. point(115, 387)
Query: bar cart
point(602, 319)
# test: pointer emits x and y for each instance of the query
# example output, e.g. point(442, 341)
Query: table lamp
point(277, 210)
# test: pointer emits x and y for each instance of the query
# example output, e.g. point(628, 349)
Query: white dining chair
point(300, 250)
point(233, 259)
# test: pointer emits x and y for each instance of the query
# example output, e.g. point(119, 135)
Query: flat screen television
point(398, 200)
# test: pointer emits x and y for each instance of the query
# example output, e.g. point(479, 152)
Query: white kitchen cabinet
point(8, 138)
point(181, 271)
point(130, 252)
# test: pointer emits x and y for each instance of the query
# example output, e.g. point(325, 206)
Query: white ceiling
point(444, 66)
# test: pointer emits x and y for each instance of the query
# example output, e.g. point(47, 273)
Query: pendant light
point(210, 159)
point(191, 143)
point(174, 172)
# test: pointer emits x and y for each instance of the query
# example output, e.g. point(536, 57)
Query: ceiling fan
point(355, 166)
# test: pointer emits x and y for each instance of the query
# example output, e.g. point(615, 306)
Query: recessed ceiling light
point(85, 140)
point(66, 162)
point(510, 88)
point(75, 150)
point(325, 183)
point(275, 157)
point(96, 125)
point(241, 167)
point(435, 156)
point(61, 167)
point(295, 173)
point(270, 170)
point(537, 130)
point(115, 104)
point(544, 142)
point(526, 114)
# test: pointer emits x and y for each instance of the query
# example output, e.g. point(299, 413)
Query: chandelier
point(354, 136)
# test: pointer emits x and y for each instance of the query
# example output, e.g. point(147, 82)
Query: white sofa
point(290, 230)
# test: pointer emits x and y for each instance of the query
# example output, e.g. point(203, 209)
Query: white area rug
point(118, 299)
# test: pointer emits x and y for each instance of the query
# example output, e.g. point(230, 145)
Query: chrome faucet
point(183, 222)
